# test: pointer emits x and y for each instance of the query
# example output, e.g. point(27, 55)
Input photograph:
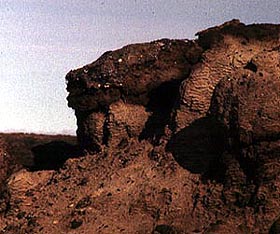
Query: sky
point(41, 40)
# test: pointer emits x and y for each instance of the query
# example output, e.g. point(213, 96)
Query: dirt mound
point(180, 137)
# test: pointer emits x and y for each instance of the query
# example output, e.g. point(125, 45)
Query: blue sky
point(40, 41)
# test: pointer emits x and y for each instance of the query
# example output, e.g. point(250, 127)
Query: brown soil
point(175, 136)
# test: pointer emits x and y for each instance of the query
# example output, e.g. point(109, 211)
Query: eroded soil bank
point(175, 136)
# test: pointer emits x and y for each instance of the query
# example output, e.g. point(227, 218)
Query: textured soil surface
point(174, 136)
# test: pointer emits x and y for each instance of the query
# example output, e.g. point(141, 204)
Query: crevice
point(161, 103)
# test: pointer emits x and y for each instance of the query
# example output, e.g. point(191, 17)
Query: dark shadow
point(199, 148)
point(275, 227)
point(251, 66)
point(165, 229)
point(51, 156)
point(161, 102)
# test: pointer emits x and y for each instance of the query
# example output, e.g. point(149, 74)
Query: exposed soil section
point(143, 78)
point(175, 136)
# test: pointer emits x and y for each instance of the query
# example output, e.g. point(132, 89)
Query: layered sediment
point(179, 136)
point(212, 102)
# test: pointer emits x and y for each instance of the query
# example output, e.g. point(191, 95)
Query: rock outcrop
point(249, 106)
point(230, 48)
point(212, 102)
point(127, 91)
point(180, 137)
